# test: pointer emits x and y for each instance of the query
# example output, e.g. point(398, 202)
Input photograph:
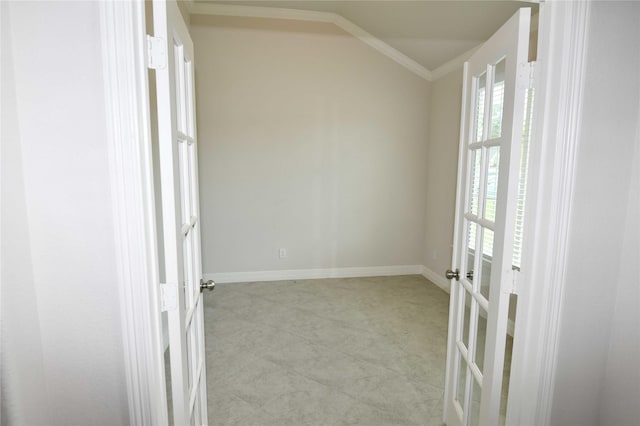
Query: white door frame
point(124, 47)
point(559, 85)
point(560, 67)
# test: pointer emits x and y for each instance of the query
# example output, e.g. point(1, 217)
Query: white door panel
point(493, 110)
point(180, 213)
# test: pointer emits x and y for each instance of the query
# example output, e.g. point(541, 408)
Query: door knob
point(451, 275)
point(207, 285)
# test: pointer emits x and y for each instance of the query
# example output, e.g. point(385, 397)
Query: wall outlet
point(282, 253)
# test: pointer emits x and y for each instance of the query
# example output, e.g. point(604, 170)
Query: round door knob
point(207, 285)
point(451, 275)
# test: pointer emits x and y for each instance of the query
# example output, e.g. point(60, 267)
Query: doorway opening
point(285, 255)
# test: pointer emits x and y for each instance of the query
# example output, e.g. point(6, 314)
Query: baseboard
point(435, 278)
point(307, 274)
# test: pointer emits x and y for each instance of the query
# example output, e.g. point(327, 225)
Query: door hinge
point(515, 274)
point(169, 297)
point(525, 77)
point(156, 52)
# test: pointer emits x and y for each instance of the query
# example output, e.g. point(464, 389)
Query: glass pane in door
point(472, 233)
point(462, 379)
point(193, 181)
point(481, 338)
point(467, 317)
point(491, 188)
point(480, 99)
point(474, 410)
point(497, 99)
point(486, 261)
point(188, 83)
point(181, 116)
point(183, 170)
point(474, 191)
point(189, 342)
point(187, 278)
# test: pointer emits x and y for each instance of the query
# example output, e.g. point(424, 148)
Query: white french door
point(173, 56)
point(495, 81)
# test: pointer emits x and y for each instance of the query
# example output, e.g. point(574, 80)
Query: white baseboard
point(435, 278)
point(307, 274)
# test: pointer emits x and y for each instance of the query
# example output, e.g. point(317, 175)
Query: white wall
point(62, 357)
point(598, 377)
point(22, 357)
point(442, 169)
point(622, 380)
point(311, 141)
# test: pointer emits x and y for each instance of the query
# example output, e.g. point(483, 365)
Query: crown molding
point(453, 64)
point(313, 16)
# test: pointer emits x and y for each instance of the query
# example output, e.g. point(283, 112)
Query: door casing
point(559, 76)
point(124, 50)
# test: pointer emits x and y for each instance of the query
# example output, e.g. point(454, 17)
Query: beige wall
point(442, 169)
point(311, 141)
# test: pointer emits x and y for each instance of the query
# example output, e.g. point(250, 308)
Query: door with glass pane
point(180, 213)
point(495, 82)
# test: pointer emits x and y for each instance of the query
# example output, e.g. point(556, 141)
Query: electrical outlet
point(282, 253)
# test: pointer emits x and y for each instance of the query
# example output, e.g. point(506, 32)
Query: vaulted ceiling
point(429, 32)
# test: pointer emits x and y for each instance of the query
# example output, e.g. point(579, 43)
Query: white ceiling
point(429, 32)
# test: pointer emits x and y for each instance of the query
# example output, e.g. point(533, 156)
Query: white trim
point(308, 274)
point(454, 64)
point(314, 16)
point(4, 9)
point(554, 144)
point(127, 112)
point(437, 279)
